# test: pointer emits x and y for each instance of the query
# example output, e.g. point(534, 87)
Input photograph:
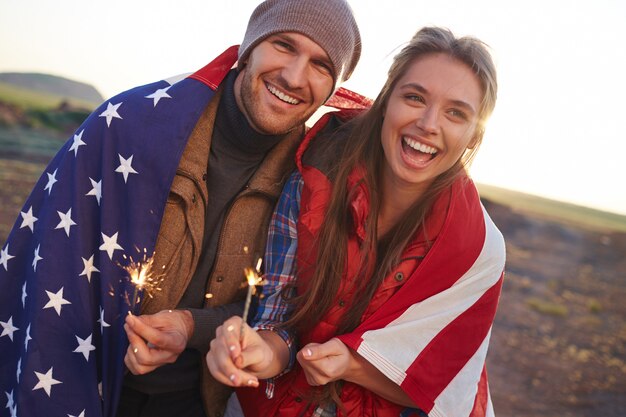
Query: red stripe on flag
point(457, 247)
point(214, 72)
point(482, 396)
point(451, 349)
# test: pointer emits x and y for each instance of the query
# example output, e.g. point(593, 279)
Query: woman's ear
point(472, 144)
point(476, 139)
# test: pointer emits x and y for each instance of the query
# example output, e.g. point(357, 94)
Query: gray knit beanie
point(330, 23)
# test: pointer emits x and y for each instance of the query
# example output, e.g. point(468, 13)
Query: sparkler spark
point(143, 277)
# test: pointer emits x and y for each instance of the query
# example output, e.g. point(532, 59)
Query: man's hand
point(156, 339)
point(326, 362)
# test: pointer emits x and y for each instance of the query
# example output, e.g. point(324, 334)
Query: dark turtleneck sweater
point(236, 152)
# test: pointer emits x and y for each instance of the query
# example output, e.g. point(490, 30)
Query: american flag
point(431, 337)
point(64, 295)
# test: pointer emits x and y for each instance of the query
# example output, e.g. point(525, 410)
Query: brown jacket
point(179, 242)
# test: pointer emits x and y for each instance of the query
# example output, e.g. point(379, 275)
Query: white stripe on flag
point(394, 348)
point(458, 398)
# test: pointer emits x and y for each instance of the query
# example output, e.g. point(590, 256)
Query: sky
point(557, 128)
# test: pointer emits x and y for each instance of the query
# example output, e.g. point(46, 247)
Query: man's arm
point(207, 320)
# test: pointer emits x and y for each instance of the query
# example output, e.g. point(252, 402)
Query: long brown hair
point(363, 148)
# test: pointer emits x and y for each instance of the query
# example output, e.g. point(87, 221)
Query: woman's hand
point(331, 361)
point(240, 361)
point(229, 354)
point(326, 362)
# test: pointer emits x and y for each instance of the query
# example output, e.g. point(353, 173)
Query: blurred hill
point(54, 85)
point(571, 214)
point(558, 345)
point(34, 124)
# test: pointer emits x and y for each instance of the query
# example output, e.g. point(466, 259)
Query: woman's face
point(430, 120)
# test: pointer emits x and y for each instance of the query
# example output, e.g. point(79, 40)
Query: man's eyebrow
point(323, 57)
point(282, 35)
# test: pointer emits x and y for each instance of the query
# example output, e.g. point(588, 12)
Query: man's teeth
point(284, 97)
point(419, 146)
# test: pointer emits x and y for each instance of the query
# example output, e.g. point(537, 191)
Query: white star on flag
point(103, 323)
point(9, 399)
point(52, 178)
point(14, 411)
point(84, 346)
point(66, 221)
point(56, 301)
point(7, 328)
point(28, 338)
point(159, 94)
point(77, 142)
point(96, 191)
point(111, 112)
point(125, 167)
point(28, 219)
point(24, 295)
point(110, 244)
point(46, 381)
point(82, 414)
point(19, 370)
point(36, 258)
point(5, 257)
point(88, 268)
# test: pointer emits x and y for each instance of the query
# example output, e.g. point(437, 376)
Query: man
point(181, 177)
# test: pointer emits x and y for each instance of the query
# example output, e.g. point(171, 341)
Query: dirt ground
point(558, 346)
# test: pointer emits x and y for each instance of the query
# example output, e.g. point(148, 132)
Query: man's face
point(285, 79)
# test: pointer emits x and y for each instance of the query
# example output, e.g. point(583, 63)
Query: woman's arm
point(333, 360)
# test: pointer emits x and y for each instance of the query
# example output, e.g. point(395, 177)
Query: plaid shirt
point(280, 255)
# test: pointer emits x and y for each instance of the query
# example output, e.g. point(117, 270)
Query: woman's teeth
point(419, 146)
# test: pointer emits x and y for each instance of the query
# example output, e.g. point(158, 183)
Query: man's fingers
point(169, 335)
point(144, 354)
point(147, 332)
point(138, 325)
point(133, 338)
point(153, 356)
point(131, 362)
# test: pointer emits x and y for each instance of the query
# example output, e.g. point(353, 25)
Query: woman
point(399, 268)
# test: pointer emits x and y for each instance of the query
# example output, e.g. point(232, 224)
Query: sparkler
point(253, 279)
point(143, 277)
